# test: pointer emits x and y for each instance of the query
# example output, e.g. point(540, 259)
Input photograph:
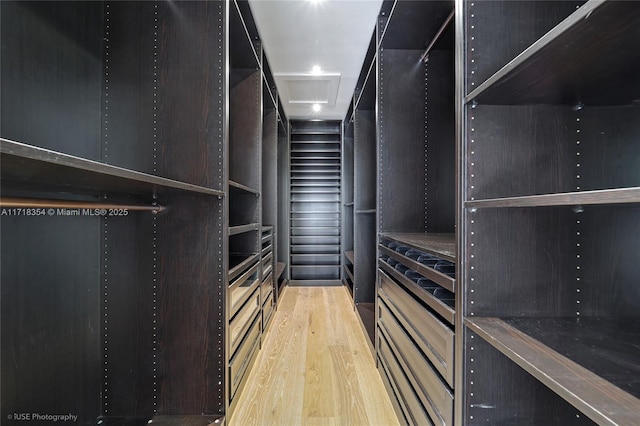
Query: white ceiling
point(299, 34)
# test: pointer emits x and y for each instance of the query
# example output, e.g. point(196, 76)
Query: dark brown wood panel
point(129, 299)
point(51, 318)
point(440, 146)
point(51, 75)
point(523, 264)
point(609, 250)
point(364, 248)
point(609, 153)
point(191, 99)
point(245, 131)
point(364, 160)
point(130, 48)
point(401, 132)
point(190, 308)
point(519, 150)
point(269, 166)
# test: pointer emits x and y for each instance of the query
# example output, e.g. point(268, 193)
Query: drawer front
point(240, 361)
point(432, 392)
point(242, 287)
point(415, 412)
point(267, 311)
point(433, 337)
point(266, 288)
point(243, 320)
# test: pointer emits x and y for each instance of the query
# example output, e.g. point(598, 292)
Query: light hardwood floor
point(315, 367)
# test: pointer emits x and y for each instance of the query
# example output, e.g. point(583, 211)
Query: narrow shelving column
point(315, 198)
point(245, 264)
point(416, 202)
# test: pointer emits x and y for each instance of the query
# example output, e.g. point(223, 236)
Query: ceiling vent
point(309, 89)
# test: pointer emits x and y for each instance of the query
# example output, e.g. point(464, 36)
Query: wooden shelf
point(38, 167)
point(238, 188)
point(553, 349)
point(593, 54)
point(607, 196)
point(349, 273)
point(441, 245)
point(241, 229)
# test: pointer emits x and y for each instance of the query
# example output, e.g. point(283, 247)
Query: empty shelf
point(26, 164)
point(560, 352)
point(240, 229)
point(441, 245)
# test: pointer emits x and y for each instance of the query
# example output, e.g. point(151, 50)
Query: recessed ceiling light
point(316, 107)
point(316, 70)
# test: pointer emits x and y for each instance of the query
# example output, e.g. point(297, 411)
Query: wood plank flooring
point(315, 367)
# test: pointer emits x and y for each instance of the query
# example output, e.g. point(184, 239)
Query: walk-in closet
point(373, 212)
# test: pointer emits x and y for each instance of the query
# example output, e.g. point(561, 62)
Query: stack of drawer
point(415, 320)
point(245, 325)
point(266, 289)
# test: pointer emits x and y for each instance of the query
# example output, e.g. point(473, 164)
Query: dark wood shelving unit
point(252, 128)
point(547, 218)
point(105, 313)
point(416, 208)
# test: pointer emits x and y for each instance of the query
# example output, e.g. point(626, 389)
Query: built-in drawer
point(243, 356)
point(242, 287)
point(266, 251)
point(267, 310)
point(430, 389)
point(267, 265)
point(433, 337)
point(243, 320)
point(266, 288)
point(414, 411)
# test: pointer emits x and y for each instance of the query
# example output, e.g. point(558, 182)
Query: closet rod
point(444, 26)
point(63, 204)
